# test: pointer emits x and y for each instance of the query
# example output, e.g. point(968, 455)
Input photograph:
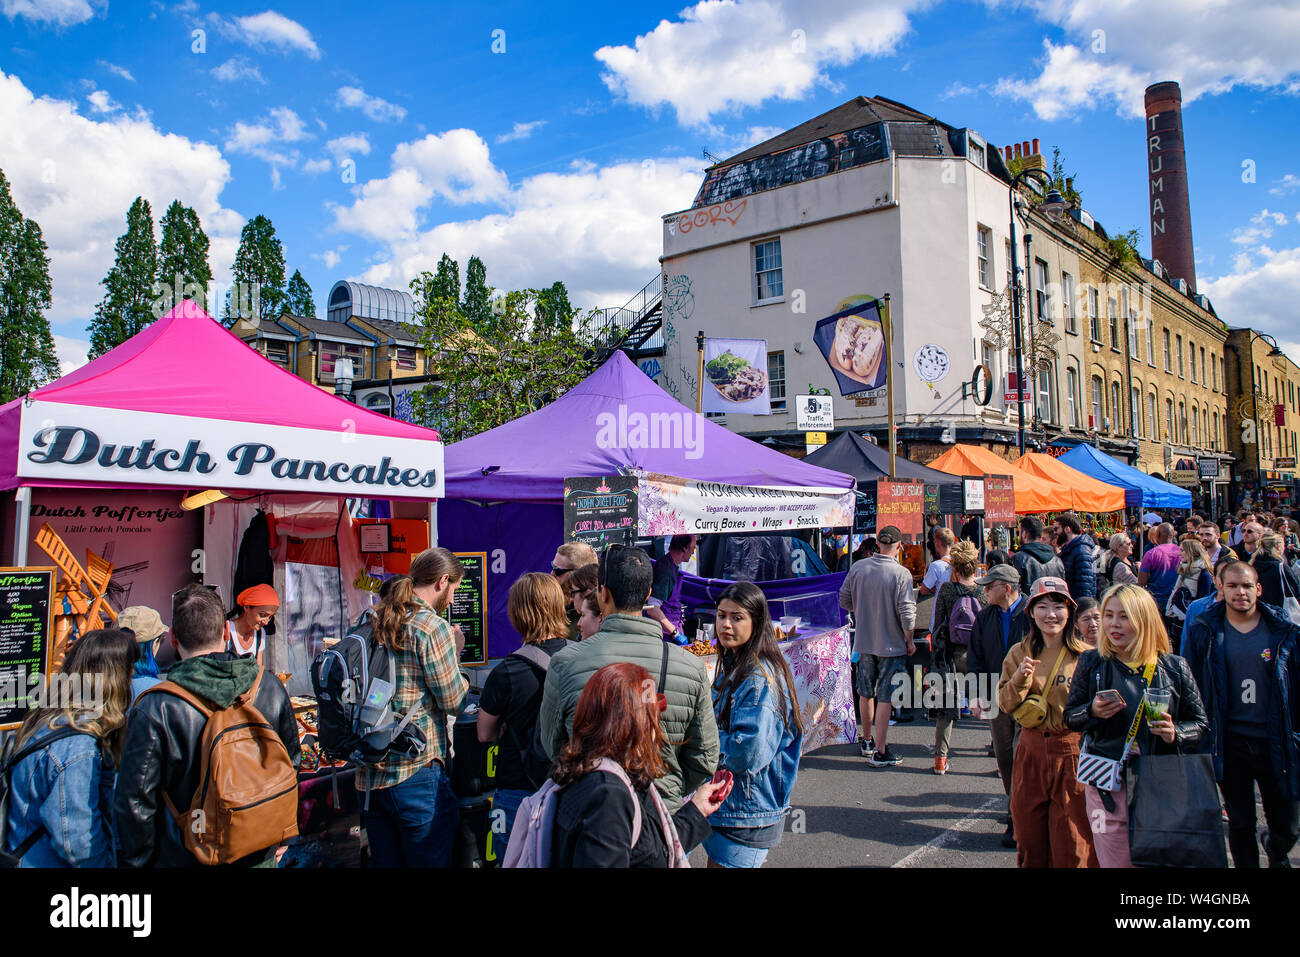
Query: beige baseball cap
point(144, 622)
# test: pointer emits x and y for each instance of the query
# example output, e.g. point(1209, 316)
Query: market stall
point(1096, 504)
point(1033, 493)
point(1140, 490)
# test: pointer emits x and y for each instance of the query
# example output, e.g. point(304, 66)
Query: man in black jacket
point(1034, 558)
point(1242, 654)
point(998, 626)
point(163, 732)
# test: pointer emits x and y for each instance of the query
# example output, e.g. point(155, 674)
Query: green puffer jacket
point(691, 751)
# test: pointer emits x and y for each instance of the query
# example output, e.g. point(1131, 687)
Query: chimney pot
point(1026, 145)
point(1017, 151)
point(1035, 146)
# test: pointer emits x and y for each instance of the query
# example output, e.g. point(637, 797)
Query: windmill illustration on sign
point(81, 598)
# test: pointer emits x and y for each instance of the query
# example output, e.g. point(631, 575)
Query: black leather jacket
point(161, 752)
point(1095, 673)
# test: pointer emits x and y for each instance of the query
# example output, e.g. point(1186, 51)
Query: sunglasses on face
point(558, 570)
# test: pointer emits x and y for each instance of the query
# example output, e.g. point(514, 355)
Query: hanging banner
point(853, 343)
point(900, 504)
point(999, 500)
point(668, 505)
point(83, 443)
point(736, 373)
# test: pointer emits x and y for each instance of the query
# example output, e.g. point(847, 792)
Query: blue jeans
point(506, 800)
point(413, 824)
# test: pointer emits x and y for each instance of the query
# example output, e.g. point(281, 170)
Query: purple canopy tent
point(505, 487)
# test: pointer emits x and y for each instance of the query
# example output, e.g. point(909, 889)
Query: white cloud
point(331, 257)
point(722, 55)
point(101, 102)
point(1261, 296)
point(269, 30)
point(345, 146)
point(1288, 183)
point(957, 88)
point(316, 166)
point(62, 13)
point(1116, 50)
point(597, 229)
point(378, 109)
point(1260, 228)
point(521, 131)
point(238, 68)
point(116, 70)
point(77, 176)
point(265, 138)
point(71, 352)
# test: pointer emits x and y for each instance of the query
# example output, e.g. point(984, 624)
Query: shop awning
point(187, 404)
point(1140, 489)
point(853, 455)
point(1033, 492)
point(1089, 494)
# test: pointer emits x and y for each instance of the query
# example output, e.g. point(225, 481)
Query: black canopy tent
point(853, 455)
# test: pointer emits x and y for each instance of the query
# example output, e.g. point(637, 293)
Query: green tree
point(258, 274)
point(477, 305)
point(299, 301)
point(27, 357)
point(553, 307)
point(183, 270)
point(446, 283)
point(487, 376)
point(1062, 183)
point(128, 303)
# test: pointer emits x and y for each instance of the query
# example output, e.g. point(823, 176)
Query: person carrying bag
point(1138, 705)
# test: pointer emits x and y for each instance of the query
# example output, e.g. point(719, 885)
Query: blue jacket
point(759, 750)
point(1080, 572)
point(1195, 610)
point(1205, 656)
point(68, 787)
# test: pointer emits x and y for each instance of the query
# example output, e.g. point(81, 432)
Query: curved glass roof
point(372, 302)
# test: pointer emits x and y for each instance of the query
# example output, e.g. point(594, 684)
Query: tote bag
point(1290, 604)
point(1173, 812)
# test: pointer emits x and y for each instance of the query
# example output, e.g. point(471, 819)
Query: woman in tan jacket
point(1048, 809)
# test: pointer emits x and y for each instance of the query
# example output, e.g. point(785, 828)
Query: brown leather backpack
point(247, 798)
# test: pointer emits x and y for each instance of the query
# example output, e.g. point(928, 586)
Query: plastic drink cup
point(1156, 701)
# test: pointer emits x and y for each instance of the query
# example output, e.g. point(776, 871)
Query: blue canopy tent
point(1139, 488)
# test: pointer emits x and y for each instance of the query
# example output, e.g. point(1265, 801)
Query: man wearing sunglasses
point(690, 750)
point(568, 558)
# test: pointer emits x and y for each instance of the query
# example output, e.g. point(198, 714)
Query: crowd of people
point(617, 748)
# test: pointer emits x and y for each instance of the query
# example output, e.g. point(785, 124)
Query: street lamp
point(1052, 206)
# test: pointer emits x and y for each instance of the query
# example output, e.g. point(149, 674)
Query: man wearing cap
point(878, 590)
point(246, 623)
point(998, 627)
point(147, 627)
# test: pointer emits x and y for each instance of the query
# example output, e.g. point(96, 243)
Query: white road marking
point(918, 856)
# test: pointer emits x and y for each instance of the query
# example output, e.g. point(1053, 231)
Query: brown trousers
point(1048, 805)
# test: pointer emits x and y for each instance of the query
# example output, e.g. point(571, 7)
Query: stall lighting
point(200, 499)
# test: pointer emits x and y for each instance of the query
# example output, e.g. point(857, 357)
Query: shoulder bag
point(1033, 710)
point(1107, 774)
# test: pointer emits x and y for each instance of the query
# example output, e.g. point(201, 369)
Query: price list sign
point(26, 602)
point(469, 607)
point(600, 511)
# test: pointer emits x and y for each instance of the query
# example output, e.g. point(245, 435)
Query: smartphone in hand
point(721, 777)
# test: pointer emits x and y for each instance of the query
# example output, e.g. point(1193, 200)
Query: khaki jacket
point(1013, 689)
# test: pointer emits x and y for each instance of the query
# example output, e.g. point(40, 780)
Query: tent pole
point(889, 381)
point(23, 501)
point(699, 375)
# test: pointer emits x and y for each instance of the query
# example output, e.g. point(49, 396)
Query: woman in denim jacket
point(759, 730)
point(61, 791)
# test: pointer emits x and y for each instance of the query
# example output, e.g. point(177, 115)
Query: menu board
point(899, 503)
point(999, 500)
point(469, 607)
point(600, 511)
point(26, 602)
point(864, 509)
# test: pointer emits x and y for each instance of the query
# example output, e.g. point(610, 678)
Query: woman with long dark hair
point(611, 761)
point(760, 733)
point(1048, 808)
point(67, 751)
point(410, 813)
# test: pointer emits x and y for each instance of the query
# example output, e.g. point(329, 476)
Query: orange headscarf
point(258, 596)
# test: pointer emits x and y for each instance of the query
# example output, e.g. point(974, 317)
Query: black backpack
point(536, 765)
point(10, 761)
point(354, 684)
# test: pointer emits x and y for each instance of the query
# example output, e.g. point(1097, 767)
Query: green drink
point(1156, 701)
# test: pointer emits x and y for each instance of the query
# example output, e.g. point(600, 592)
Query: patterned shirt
point(428, 674)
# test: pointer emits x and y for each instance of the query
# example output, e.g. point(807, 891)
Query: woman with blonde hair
point(1275, 577)
point(512, 695)
point(65, 756)
point(1129, 676)
point(1116, 567)
point(958, 602)
point(1195, 580)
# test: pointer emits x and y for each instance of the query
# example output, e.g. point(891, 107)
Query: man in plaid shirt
point(411, 814)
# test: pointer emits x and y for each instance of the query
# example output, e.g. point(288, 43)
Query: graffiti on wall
point(730, 211)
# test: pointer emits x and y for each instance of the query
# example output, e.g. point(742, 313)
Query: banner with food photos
point(735, 376)
point(853, 342)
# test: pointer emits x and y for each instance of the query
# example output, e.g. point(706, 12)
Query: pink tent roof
point(187, 363)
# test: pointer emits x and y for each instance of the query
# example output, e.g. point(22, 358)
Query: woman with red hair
point(607, 771)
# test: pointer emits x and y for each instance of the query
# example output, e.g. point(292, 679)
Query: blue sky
point(549, 139)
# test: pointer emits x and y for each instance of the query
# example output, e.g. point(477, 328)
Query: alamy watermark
point(77, 692)
point(653, 430)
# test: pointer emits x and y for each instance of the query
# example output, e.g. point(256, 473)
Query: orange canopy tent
point(1089, 494)
point(1033, 492)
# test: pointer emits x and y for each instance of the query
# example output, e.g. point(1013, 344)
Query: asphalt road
point(847, 814)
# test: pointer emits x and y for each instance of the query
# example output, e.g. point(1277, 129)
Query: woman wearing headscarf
point(246, 623)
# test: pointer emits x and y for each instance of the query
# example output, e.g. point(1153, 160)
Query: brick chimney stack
point(1171, 213)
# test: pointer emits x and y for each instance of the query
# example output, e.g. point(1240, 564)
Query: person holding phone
point(1106, 705)
point(1047, 800)
point(760, 733)
point(609, 813)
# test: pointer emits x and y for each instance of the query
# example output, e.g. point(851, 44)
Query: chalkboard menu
point(600, 511)
point(943, 499)
point(999, 499)
point(469, 607)
point(899, 503)
point(26, 600)
point(864, 510)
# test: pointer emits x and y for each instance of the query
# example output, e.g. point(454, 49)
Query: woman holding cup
point(1129, 695)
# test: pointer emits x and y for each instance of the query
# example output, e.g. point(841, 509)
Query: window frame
point(758, 274)
point(778, 402)
point(984, 256)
